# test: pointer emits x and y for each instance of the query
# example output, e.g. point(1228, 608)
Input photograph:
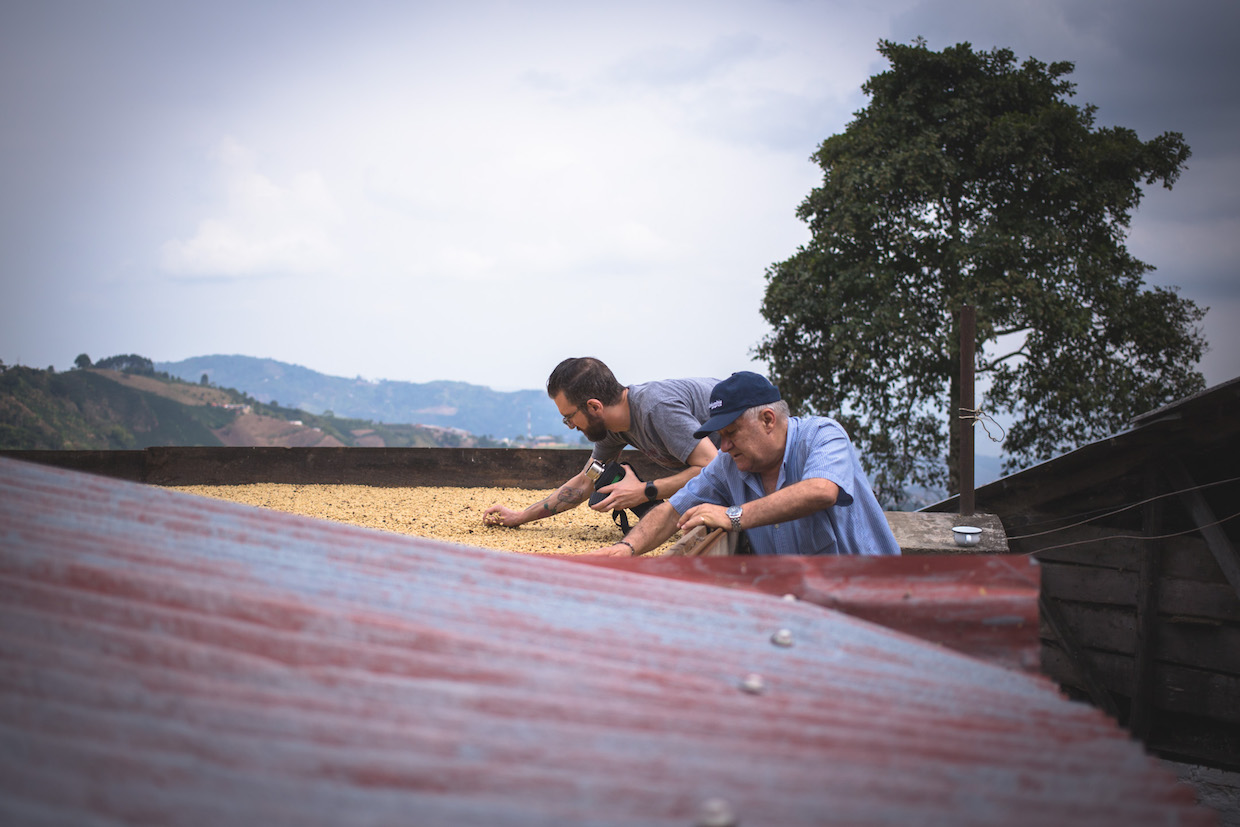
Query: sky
point(473, 191)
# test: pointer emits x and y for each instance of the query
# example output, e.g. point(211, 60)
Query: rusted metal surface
point(166, 659)
point(985, 606)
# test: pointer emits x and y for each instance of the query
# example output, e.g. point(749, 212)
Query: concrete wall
point(389, 467)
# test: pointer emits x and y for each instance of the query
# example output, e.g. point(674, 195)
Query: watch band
point(652, 491)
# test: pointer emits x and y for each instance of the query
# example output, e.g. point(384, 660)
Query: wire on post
point(976, 415)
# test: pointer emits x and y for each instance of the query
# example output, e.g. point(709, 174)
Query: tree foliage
point(128, 363)
point(970, 179)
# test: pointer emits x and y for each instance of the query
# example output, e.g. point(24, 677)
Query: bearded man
point(656, 418)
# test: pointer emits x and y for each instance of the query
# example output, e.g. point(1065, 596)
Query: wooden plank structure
point(1140, 592)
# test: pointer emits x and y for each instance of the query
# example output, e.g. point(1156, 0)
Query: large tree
point(971, 180)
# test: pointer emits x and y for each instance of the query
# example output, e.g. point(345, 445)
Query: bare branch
point(994, 363)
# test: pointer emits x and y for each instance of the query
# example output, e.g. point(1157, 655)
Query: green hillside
point(90, 409)
point(81, 410)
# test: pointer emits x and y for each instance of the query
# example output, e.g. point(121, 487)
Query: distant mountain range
point(473, 408)
point(986, 469)
point(130, 402)
point(101, 408)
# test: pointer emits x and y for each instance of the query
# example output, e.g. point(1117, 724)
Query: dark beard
point(595, 430)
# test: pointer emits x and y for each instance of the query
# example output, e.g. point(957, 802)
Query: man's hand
point(650, 531)
point(630, 491)
point(568, 495)
point(501, 515)
point(706, 514)
point(616, 550)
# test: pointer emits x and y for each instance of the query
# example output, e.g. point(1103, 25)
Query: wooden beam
point(1208, 647)
point(1141, 713)
point(698, 542)
point(1077, 655)
point(1203, 517)
point(968, 412)
point(1210, 697)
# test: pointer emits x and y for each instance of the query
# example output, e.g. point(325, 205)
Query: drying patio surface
point(450, 514)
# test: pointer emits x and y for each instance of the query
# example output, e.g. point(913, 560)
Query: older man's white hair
point(779, 406)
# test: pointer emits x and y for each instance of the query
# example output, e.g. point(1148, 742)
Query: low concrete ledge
point(924, 532)
point(380, 467)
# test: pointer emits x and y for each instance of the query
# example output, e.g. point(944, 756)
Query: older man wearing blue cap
point(793, 485)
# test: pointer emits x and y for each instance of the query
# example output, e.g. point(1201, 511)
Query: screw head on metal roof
point(783, 637)
point(753, 684)
point(715, 812)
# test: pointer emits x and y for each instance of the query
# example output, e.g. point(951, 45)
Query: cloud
point(524, 169)
point(667, 66)
point(266, 228)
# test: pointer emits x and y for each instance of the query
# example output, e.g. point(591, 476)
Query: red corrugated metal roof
point(167, 659)
point(985, 606)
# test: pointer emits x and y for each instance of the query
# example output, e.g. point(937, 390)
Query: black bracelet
point(630, 545)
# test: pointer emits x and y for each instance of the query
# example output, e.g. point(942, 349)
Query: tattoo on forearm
point(563, 500)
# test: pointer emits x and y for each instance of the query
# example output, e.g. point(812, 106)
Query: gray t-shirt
point(662, 418)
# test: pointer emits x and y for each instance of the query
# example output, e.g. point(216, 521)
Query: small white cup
point(967, 535)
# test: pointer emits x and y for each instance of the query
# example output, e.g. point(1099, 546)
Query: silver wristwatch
point(734, 514)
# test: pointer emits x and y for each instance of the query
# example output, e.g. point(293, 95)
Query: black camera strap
point(614, 472)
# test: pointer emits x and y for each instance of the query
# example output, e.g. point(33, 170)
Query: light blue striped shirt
point(817, 448)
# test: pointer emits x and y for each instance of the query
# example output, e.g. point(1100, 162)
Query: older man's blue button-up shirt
point(817, 448)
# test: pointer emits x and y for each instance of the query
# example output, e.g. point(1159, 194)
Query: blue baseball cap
point(733, 396)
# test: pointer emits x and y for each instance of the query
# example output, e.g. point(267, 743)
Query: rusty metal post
point(967, 412)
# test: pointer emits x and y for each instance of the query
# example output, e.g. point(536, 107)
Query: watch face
point(734, 511)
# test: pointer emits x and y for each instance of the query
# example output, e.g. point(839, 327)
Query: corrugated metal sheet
point(985, 606)
point(166, 659)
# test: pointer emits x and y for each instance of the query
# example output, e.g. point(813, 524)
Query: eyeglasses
point(568, 418)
